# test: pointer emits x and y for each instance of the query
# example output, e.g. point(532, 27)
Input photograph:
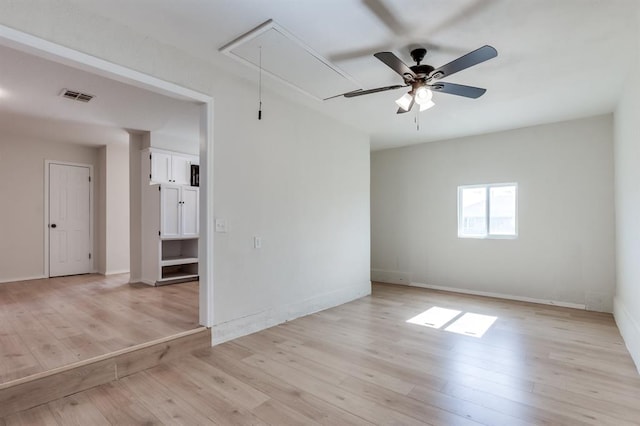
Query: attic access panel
point(289, 60)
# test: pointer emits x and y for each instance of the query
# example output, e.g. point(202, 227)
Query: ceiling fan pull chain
point(260, 85)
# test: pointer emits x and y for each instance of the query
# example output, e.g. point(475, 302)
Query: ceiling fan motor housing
point(422, 70)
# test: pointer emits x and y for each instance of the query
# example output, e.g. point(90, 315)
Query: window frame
point(487, 188)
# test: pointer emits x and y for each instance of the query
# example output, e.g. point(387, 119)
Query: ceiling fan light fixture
point(426, 105)
point(404, 102)
point(423, 96)
point(420, 77)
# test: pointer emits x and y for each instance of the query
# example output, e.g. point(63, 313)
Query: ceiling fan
point(424, 79)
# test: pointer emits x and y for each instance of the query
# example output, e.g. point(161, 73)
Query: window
point(487, 211)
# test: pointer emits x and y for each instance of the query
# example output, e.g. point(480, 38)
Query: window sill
point(488, 237)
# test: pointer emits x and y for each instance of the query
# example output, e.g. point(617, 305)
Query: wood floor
point(49, 323)
point(362, 363)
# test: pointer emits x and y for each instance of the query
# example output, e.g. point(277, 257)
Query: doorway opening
point(42, 317)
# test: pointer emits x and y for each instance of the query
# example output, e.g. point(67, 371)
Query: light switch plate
point(221, 225)
point(257, 242)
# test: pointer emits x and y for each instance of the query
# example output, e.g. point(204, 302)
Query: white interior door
point(69, 220)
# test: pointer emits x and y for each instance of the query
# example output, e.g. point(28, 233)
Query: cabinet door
point(170, 207)
point(180, 170)
point(160, 167)
point(190, 211)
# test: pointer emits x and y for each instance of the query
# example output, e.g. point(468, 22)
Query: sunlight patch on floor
point(472, 324)
point(434, 317)
point(469, 324)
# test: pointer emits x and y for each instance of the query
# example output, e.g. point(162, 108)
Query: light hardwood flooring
point(49, 323)
point(362, 363)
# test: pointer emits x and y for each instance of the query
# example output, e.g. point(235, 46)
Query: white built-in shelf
point(170, 207)
point(178, 270)
point(178, 260)
point(177, 275)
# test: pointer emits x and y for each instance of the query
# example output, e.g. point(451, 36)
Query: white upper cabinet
point(181, 169)
point(169, 167)
point(160, 167)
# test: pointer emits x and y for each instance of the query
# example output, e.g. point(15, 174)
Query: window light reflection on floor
point(469, 324)
point(472, 324)
point(434, 317)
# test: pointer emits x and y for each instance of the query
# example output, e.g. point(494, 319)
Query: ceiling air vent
point(76, 96)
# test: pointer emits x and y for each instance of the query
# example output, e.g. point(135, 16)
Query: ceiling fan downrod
point(418, 55)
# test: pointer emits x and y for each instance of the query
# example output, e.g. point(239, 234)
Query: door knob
point(53, 225)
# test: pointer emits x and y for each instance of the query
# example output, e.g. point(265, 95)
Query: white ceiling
point(31, 105)
point(557, 59)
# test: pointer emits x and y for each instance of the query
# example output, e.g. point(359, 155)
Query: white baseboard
point(502, 296)
point(629, 329)
point(390, 276)
point(239, 327)
point(124, 271)
point(35, 277)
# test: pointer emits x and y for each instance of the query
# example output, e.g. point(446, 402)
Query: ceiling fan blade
point(341, 94)
point(376, 90)
point(470, 59)
point(378, 8)
point(402, 111)
point(458, 89)
point(393, 62)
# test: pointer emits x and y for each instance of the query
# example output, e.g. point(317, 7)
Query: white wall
point(170, 142)
point(627, 193)
point(135, 208)
point(113, 209)
point(295, 178)
point(117, 212)
point(100, 228)
point(22, 193)
point(301, 183)
point(565, 248)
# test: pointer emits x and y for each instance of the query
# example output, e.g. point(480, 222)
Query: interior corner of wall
point(629, 329)
point(391, 277)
